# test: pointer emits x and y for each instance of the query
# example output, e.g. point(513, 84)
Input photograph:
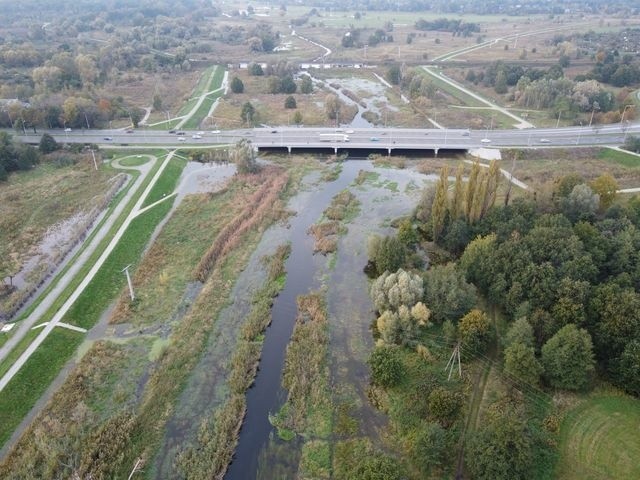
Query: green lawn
point(167, 182)
point(21, 394)
point(621, 158)
point(600, 439)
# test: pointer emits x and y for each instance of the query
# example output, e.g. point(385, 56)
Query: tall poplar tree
point(439, 208)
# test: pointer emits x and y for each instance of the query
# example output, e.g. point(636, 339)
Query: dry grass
point(257, 206)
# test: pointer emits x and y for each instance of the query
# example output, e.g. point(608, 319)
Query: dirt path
point(59, 315)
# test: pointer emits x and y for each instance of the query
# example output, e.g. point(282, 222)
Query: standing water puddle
point(267, 395)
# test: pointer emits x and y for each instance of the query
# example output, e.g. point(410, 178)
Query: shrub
point(386, 367)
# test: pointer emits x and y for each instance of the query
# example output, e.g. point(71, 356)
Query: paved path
point(57, 318)
point(327, 50)
point(522, 123)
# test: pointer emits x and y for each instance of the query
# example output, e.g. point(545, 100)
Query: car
point(274, 131)
point(129, 130)
point(67, 129)
point(348, 131)
point(215, 131)
point(465, 134)
point(172, 131)
point(545, 140)
point(108, 139)
point(374, 139)
point(485, 140)
point(181, 134)
point(199, 133)
point(196, 136)
point(182, 139)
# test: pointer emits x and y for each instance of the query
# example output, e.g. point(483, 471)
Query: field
point(599, 439)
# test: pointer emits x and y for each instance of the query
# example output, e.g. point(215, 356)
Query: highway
point(358, 138)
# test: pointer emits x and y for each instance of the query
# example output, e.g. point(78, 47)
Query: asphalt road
point(395, 138)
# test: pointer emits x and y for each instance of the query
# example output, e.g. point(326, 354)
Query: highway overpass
point(336, 140)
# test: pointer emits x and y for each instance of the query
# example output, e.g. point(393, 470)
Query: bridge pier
point(289, 150)
point(435, 151)
point(389, 152)
point(335, 151)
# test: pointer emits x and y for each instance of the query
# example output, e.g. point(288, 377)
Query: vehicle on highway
point(196, 136)
point(485, 140)
point(172, 131)
point(215, 131)
point(348, 131)
point(465, 133)
point(374, 139)
point(182, 139)
point(181, 134)
point(67, 129)
point(274, 131)
point(545, 140)
point(108, 139)
point(333, 137)
point(199, 133)
point(129, 130)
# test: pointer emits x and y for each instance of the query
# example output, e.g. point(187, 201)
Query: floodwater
point(267, 395)
point(259, 453)
point(394, 193)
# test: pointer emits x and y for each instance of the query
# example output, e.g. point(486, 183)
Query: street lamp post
point(579, 133)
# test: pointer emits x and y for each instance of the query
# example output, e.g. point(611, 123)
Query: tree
point(520, 332)
point(520, 361)
point(474, 331)
point(502, 448)
point(444, 405)
point(386, 368)
point(290, 102)
point(402, 328)
point(470, 194)
point(394, 75)
point(568, 358)
point(447, 293)
point(626, 372)
point(440, 204)
point(255, 69)
point(236, 85)
point(306, 85)
point(388, 253)
point(157, 102)
point(456, 209)
point(606, 187)
point(501, 83)
point(581, 203)
point(248, 113)
point(48, 144)
point(391, 290)
point(297, 117)
point(431, 447)
point(287, 85)
point(243, 156)
point(332, 106)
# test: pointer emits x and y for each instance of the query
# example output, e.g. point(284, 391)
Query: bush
point(474, 331)
point(388, 254)
point(386, 367)
point(236, 85)
point(290, 102)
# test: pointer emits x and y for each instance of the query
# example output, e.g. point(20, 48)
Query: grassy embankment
point(599, 438)
point(210, 79)
point(160, 282)
point(37, 373)
point(202, 112)
point(620, 158)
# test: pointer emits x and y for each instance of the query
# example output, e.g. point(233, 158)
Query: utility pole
point(451, 364)
point(126, 272)
point(94, 159)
